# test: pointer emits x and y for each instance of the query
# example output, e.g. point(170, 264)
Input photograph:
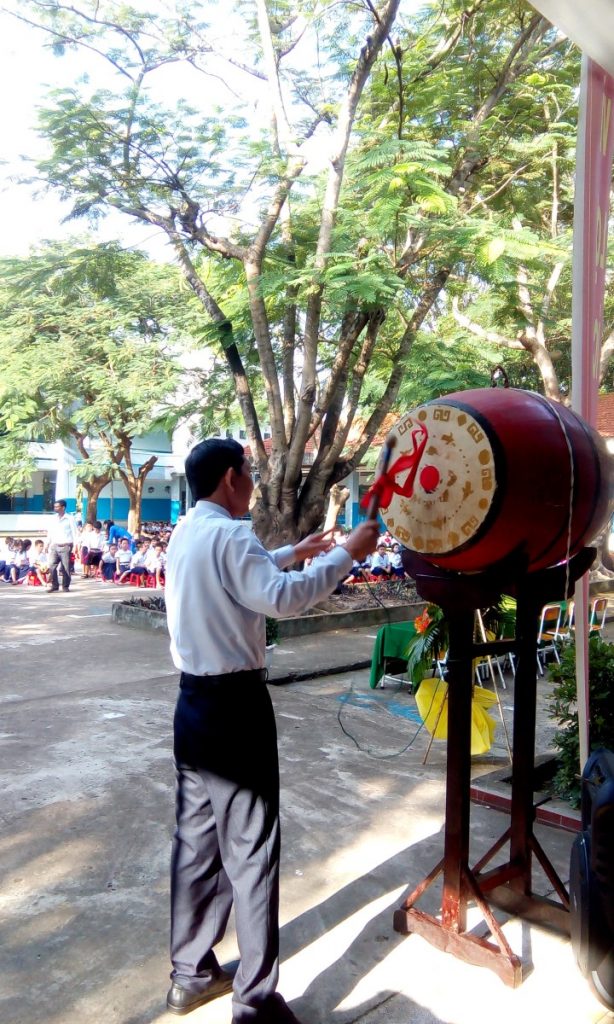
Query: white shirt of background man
point(62, 530)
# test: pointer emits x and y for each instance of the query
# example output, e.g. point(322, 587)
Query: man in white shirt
point(220, 584)
point(61, 536)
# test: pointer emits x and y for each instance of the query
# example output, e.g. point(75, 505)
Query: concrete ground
point(87, 816)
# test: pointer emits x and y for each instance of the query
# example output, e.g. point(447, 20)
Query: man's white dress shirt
point(220, 584)
point(62, 530)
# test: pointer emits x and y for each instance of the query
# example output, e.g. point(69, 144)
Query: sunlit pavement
point(87, 812)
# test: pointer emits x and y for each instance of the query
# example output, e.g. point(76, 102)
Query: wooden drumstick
point(384, 462)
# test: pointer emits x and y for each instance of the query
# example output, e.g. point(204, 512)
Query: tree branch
point(230, 350)
point(352, 325)
point(375, 421)
point(493, 337)
point(606, 354)
point(340, 141)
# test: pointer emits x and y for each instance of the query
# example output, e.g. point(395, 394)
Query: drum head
point(455, 480)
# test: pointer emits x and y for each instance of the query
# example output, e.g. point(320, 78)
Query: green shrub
point(272, 631)
point(566, 782)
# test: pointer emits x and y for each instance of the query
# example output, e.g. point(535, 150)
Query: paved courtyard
point(87, 815)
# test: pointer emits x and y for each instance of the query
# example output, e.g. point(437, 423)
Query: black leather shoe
point(181, 1000)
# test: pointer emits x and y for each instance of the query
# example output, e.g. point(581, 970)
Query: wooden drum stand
point(507, 886)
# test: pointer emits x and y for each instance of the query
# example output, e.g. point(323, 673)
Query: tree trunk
point(602, 568)
point(134, 482)
point(93, 489)
point(278, 518)
point(134, 487)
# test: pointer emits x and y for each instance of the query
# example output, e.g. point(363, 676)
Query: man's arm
point(315, 544)
point(255, 581)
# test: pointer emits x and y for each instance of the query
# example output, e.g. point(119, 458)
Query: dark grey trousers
point(226, 844)
point(59, 554)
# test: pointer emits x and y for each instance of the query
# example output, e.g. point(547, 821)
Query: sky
point(27, 70)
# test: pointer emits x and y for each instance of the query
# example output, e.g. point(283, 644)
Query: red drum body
point(499, 471)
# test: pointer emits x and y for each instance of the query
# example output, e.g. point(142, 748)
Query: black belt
point(189, 682)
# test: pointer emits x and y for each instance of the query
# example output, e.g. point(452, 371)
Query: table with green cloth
point(390, 642)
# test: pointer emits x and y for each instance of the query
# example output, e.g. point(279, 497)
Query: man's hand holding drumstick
point(363, 539)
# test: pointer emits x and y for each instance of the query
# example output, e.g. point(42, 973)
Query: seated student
point(137, 561)
point(358, 573)
point(6, 553)
point(380, 563)
point(17, 570)
point(108, 561)
point(94, 553)
point(39, 565)
point(396, 563)
point(123, 560)
point(155, 563)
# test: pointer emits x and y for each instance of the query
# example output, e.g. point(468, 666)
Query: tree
point(88, 349)
point(317, 307)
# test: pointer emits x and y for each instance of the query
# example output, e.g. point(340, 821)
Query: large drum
point(491, 472)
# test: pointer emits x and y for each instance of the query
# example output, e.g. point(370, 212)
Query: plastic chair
point(485, 666)
point(567, 626)
point(598, 613)
point(596, 619)
point(138, 579)
point(549, 634)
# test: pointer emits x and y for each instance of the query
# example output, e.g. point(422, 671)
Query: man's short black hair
point(208, 461)
point(60, 501)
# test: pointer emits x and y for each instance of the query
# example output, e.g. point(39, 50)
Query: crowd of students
point(105, 552)
point(384, 564)
point(109, 553)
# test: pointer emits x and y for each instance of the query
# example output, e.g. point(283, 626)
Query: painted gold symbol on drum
point(454, 484)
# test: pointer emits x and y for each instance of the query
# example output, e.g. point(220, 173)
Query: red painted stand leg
point(508, 885)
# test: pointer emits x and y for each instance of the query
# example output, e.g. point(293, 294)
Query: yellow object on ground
point(432, 701)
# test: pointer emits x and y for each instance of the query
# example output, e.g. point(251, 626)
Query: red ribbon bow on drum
point(386, 484)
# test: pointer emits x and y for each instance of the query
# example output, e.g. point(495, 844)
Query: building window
point(242, 434)
point(49, 480)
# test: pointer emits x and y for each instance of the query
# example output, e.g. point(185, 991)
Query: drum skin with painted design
point(502, 471)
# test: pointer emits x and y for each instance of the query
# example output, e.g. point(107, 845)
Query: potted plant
point(566, 782)
point(430, 643)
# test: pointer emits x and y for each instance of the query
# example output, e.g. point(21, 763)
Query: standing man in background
point(61, 538)
point(220, 584)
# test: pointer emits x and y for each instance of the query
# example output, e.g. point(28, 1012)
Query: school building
point(166, 495)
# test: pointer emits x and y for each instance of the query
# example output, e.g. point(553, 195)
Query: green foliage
point(564, 709)
point(16, 462)
point(428, 644)
point(272, 631)
point(458, 183)
point(88, 344)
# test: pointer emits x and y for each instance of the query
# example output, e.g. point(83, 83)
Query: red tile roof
point(605, 415)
